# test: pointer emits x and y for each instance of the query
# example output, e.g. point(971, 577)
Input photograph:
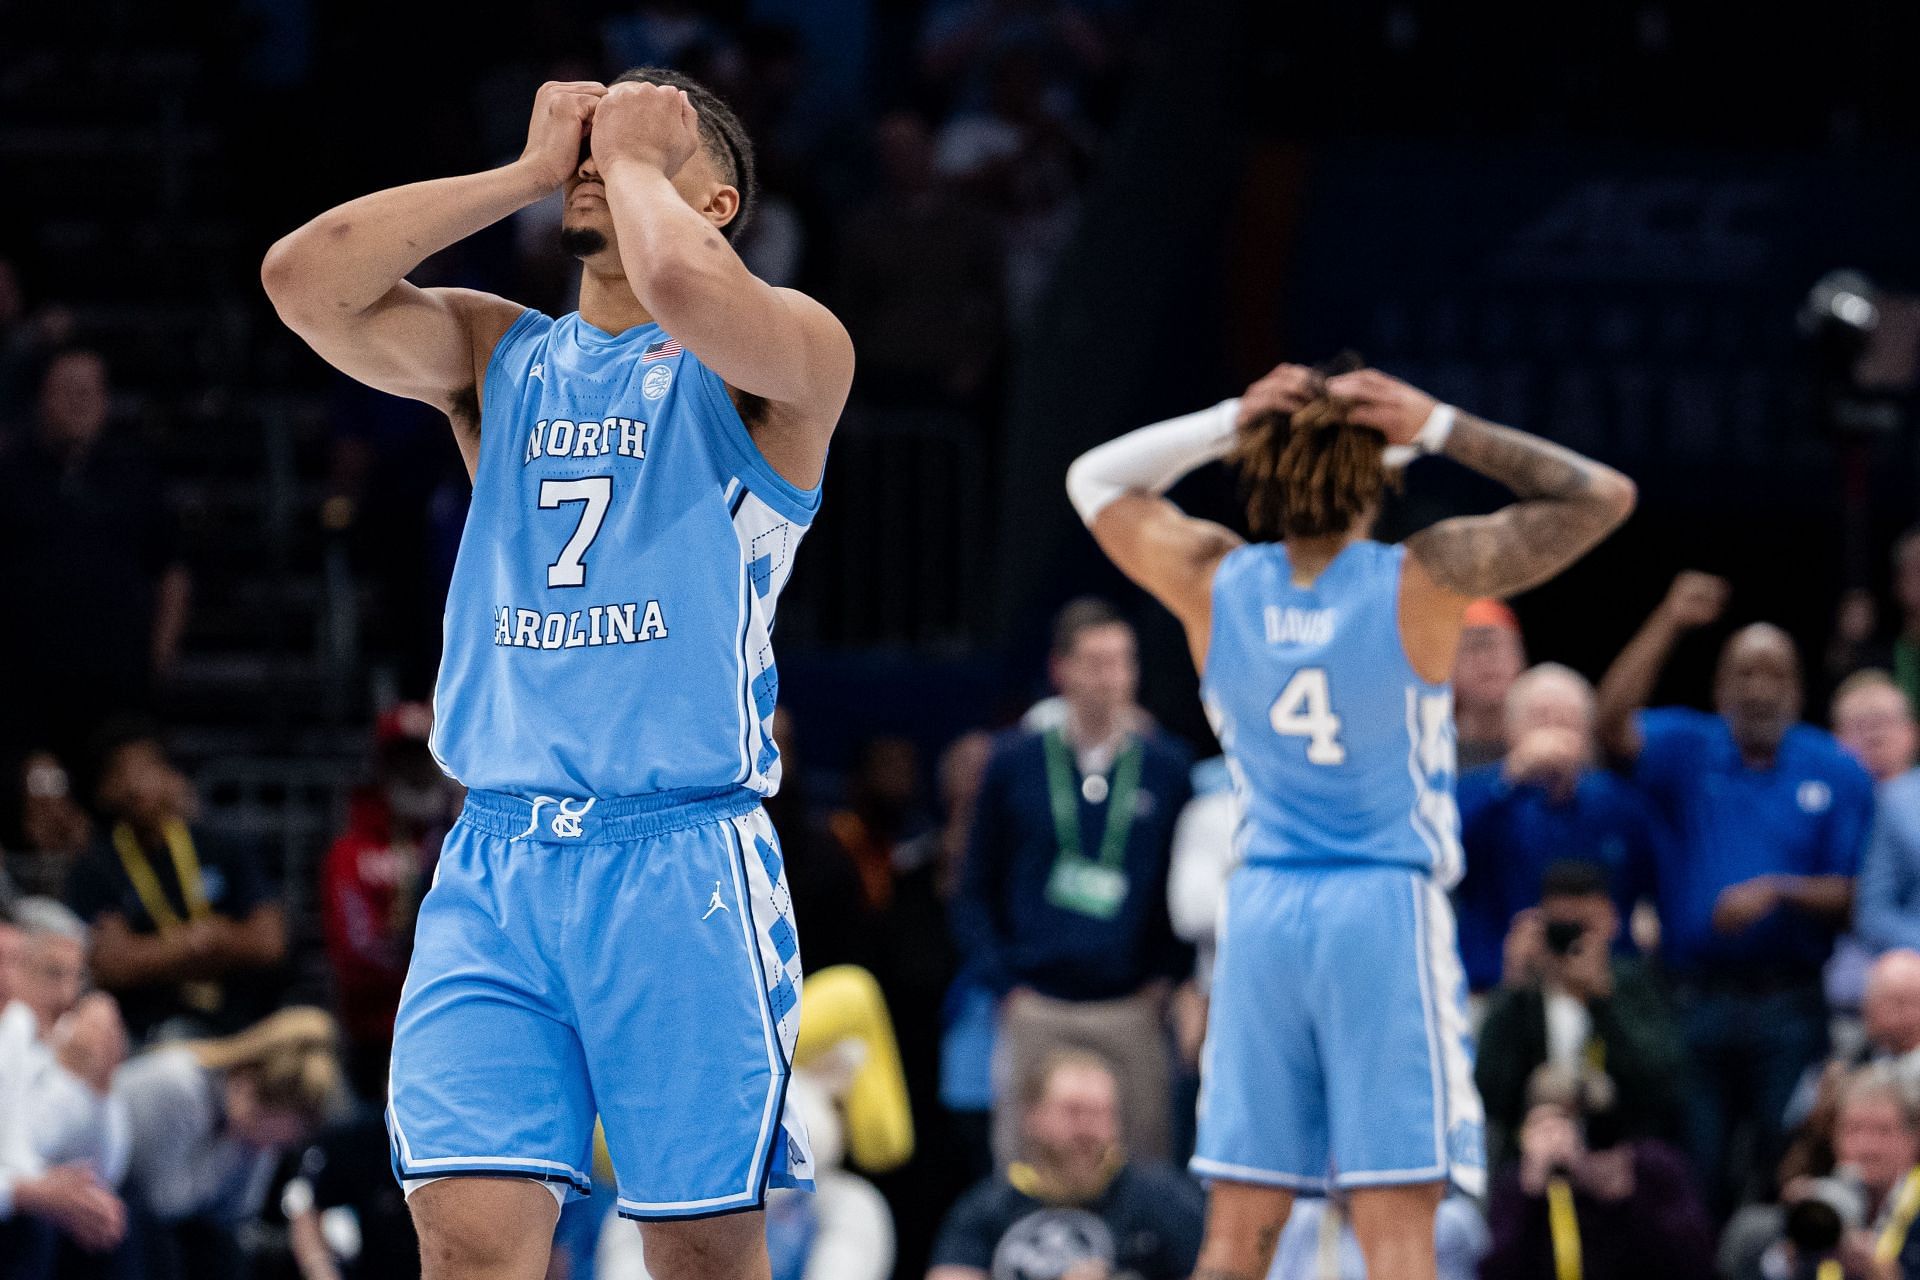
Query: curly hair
point(1312, 473)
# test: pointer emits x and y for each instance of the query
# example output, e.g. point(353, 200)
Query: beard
point(581, 242)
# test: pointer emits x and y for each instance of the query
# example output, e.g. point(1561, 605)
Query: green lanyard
point(1090, 887)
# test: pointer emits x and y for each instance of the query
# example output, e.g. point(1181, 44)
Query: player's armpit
point(1567, 505)
point(1168, 553)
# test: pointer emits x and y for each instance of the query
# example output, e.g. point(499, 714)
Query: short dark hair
point(725, 138)
point(1572, 878)
point(1080, 616)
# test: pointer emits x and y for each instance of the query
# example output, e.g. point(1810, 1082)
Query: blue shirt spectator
point(1887, 902)
point(1762, 819)
point(1512, 833)
point(1733, 825)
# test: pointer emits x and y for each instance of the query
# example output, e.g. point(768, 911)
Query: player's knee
point(483, 1228)
point(725, 1248)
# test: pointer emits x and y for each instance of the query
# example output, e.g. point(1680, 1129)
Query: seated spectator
point(1570, 1002)
point(84, 523)
point(42, 1201)
point(1062, 909)
point(1887, 906)
point(1318, 1242)
point(1873, 720)
point(54, 829)
point(372, 882)
point(184, 927)
point(1861, 1217)
point(80, 1041)
point(1074, 1205)
point(1491, 656)
point(210, 1122)
point(1545, 802)
point(1765, 820)
point(1890, 1023)
point(1633, 1211)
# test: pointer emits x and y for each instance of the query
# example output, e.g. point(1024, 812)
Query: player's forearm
point(349, 257)
point(1628, 683)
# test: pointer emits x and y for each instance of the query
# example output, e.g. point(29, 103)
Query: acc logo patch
point(658, 379)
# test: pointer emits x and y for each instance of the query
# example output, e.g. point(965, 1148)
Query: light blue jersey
point(608, 629)
point(1339, 1051)
point(609, 932)
point(1338, 750)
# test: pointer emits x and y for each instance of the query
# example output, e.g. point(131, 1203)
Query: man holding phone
point(1567, 999)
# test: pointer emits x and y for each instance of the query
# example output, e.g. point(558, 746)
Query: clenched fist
point(562, 118)
point(1695, 599)
point(651, 124)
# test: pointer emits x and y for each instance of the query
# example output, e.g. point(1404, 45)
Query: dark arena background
point(1680, 238)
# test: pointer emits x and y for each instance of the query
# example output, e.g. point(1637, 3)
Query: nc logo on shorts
point(1815, 797)
point(658, 379)
point(566, 823)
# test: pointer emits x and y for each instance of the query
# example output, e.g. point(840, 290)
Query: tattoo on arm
point(1567, 504)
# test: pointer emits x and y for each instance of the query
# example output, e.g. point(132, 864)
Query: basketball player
point(609, 930)
point(1338, 1052)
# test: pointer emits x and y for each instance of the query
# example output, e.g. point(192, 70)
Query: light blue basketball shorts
point(1339, 1052)
point(633, 959)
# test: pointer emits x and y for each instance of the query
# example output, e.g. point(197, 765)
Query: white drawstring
point(533, 822)
point(567, 812)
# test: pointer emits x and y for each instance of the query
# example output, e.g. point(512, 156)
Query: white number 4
point(596, 492)
point(1305, 710)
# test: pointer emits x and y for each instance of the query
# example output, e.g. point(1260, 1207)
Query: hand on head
point(562, 121)
point(652, 124)
point(1283, 389)
point(1386, 404)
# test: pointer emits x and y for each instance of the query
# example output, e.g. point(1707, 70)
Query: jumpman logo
point(538, 371)
point(716, 904)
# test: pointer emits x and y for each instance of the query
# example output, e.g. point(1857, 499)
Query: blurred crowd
point(1693, 934)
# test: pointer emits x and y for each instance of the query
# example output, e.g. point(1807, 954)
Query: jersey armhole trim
point(525, 320)
point(778, 492)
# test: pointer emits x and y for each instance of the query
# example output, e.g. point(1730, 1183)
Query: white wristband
point(1432, 437)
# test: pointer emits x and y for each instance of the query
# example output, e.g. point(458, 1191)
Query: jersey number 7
point(596, 493)
point(1304, 709)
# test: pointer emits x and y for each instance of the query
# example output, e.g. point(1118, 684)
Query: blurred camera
point(1562, 935)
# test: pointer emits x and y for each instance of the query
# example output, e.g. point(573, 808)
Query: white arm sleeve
point(1151, 459)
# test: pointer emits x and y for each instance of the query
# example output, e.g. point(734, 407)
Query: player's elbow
point(1619, 495)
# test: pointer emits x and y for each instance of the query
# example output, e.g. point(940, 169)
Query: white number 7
point(596, 492)
point(1304, 709)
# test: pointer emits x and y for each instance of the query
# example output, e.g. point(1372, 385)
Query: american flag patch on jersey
point(664, 349)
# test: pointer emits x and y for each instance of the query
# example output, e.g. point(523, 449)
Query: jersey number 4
point(595, 494)
point(1304, 709)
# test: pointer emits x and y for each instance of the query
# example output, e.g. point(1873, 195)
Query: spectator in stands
point(374, 876)
point(27, 335)
point(1545, 802)
point(1491, 657)
point(1862, 1217)
point(210, 1122)
point(1635, 1214)
point(1887, 908)
point(84, 524)
point(962, 40)
point(1062, 909)
point(1890, 1026)
point(919, 284)
point(882, 810)
point(1569, 1001)
point(1319, 1243)
point(1874, 721)
point(1076, 1204)
point(55, 1165)
point(184, 924)
point(1767, 818)
point(53, 829)
point(1855, 645)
